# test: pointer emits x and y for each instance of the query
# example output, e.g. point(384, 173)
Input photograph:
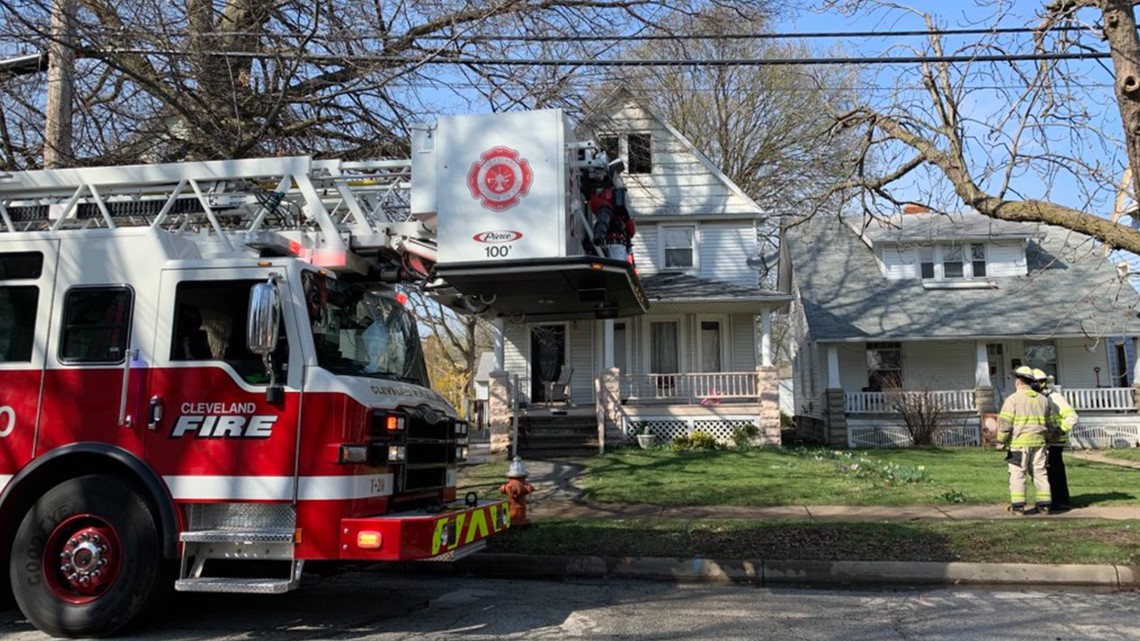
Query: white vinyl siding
point(939, 365)
point(724, 253)
point(1075, 364)
point(680, 184)
point(905, 262)
point(1006, 259)
point(742, 354)
point(580, 354)
point(852, 365)
point(516, 337)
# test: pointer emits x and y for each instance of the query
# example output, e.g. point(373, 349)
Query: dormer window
point(949, 262)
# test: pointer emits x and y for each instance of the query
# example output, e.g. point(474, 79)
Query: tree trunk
point(1120, 30)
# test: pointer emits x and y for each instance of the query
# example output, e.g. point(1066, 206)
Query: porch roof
point(686, 288)
point(1071, 291)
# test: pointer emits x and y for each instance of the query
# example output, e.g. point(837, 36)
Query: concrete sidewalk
point(557, 495)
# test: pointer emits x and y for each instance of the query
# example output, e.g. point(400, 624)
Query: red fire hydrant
point(516, 488)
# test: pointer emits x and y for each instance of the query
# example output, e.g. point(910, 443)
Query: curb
point(763, 573)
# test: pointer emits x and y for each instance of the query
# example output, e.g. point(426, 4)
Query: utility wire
point(617, 62)
point(355, 36)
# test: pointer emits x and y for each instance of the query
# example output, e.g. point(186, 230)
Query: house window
point(96, 325)
point(1041, 355)
point(611, 145)
point(640, 154)
point(663, 349)
point(978, 260)
point(952, 262)
point(926, 262)
point(17, 322)
point(679, 245)
point(884, 366)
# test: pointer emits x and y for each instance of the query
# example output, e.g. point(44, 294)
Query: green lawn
point(1131, 454)
point(797, 476)
point(1023, 540)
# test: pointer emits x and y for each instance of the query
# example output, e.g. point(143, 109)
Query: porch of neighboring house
point(1109, 415)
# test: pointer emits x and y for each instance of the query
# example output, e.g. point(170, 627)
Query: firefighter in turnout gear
point(1061, 424)
point(1022, 431)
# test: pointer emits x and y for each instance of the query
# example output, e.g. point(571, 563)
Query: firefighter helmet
point(1025, 372)
point(1040, 376)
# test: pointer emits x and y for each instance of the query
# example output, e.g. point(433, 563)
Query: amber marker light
point(368, 540)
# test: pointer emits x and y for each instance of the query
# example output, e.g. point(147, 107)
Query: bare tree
point(922, 412)
point(1000, 133)
point(157, 81)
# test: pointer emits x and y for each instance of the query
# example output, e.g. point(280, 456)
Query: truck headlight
point(397, 453)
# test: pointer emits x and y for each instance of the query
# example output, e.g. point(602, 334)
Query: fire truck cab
point(208, 377)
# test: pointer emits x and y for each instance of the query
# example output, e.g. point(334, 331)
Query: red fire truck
point(207, 378)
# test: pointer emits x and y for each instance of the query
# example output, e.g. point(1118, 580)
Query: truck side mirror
point(261, 330)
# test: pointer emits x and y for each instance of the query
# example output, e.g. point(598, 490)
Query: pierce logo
point(498, 236)
point(499, 179)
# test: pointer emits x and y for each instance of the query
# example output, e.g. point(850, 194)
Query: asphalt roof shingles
point(1071, 289)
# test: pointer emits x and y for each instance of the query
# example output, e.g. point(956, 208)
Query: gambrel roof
point(1071, 290)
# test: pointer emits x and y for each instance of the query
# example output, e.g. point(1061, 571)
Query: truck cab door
point(27, 278)
point(211, 431)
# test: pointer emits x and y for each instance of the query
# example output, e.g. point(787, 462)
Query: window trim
point(128, 323)
point(694, 247)
point(883, 346)
point(939, 252)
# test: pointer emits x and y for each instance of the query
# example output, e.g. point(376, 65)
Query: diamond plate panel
point(243, 516)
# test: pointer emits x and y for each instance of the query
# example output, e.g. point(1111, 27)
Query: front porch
point(1109, 417)
point(665, 405)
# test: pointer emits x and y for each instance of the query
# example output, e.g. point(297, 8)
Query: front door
point(547, 358)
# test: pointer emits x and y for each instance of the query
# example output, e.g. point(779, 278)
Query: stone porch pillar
point(835, 401)
point(608, 407)
point(499, 411)
point(985, 400)
point(768, 393)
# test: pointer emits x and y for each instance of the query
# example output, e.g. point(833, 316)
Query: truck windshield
point(361, 333)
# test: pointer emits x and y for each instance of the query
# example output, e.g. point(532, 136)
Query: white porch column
point(1136, 362)
point(833, 367)
point(981, 366)
point(766, 338)
point(608, 343)
point(500, 349)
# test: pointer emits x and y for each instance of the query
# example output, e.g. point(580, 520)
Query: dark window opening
point(96, 325)
point(210, 321)
point(640, 154)
point(21, 265)
point(17, 323)
point(884, 366)
point(611, 145)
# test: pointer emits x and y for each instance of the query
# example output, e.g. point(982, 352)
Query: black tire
point(75, 525)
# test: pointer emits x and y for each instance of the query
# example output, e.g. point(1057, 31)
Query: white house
point(951, 305)
point(701, 358)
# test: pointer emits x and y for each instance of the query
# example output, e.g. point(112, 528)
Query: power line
point(617, 62)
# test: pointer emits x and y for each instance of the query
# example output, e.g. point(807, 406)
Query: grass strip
point(800, 476)
point(1022, 540)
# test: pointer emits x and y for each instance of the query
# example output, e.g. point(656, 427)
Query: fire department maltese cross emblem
point(499, 179)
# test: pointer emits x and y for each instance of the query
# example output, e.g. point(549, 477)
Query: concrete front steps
point(557, 432)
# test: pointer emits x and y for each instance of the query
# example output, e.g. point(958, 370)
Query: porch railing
point(1097, 399)
point(1104, 398)
point(692, 388)
point(885, 402)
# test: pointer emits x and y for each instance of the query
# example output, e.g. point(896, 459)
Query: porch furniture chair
point(559, 391)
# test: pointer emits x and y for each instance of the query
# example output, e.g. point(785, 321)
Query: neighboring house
point(701, 357)
point(481, 384)
point(950, 305)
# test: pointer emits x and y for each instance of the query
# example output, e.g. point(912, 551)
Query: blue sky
point(983, 105)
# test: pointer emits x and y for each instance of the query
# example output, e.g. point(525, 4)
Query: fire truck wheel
point(87, 558)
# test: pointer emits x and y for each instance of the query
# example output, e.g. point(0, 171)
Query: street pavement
point(557, 495)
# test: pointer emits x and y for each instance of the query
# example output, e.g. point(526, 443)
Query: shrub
point(696, 440)
point(742, 435)
point(923, 414)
